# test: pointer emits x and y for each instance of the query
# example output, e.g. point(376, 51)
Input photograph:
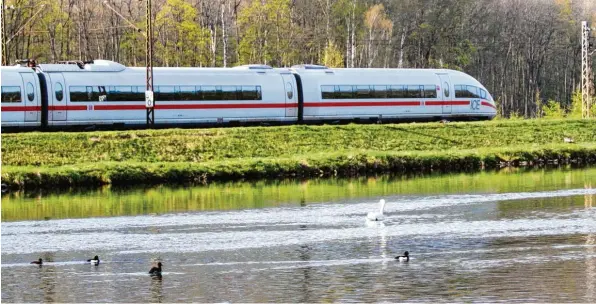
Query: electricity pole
point(149, 101)
point(586, 71)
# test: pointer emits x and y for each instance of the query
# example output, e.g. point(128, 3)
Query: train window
point(228, 93)
point(166, 93)
point(430, 91)
point(446, 89)
point(120, 93)
point(290, 90)
point(11, 94)
point(81, 93)
point(209, 93)
point(345, 92)
point(397, 91)
point(187, 93)
point(473, 91)
point(251, 93)
point(59, 91)
point(483, 94)
point(138, 93)
point(328, 92)
point(460, 91)
point(380, 91)
point(414, 91)
point(363, 92)
point(89, 93)
point(259, 93)
point(30, 92)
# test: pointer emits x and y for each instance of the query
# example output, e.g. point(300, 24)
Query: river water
point(506, 236)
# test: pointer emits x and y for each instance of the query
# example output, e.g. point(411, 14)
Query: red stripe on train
point(239, 106)
point(447, 103)
point(20, 108)
point(67, 108)
point(362, 104)
point(488, 104)
point(198, 106)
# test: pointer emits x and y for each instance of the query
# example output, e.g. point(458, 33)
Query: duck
point(38, 262)
point(403, 258)
point(377, 216)
point(156, 271)
point(94, 260)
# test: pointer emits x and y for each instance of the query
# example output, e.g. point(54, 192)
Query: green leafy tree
point(181, 40)
point(54, 22)
point(332, 56)
point(380, 28)
point(576, 105)
point(266, 33)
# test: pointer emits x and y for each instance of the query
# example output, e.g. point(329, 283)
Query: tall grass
point(202, 146)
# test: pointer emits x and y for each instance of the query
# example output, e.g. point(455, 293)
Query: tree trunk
point(224, 36)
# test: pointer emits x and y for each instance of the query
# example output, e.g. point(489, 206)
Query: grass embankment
point(50, 160)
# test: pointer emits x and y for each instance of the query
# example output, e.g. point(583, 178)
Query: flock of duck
point(156, 270)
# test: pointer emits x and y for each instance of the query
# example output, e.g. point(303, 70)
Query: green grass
point(63, 159)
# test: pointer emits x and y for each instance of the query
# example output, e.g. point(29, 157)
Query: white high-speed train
point(107, 93)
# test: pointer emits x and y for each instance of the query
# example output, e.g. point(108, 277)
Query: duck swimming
point(156, 271)
point(94, 260)
point(38, 262)
point(403, 258)
point(377, 216)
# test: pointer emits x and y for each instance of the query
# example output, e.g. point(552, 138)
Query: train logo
point(475, 104)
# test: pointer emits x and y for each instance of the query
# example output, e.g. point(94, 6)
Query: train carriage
point(109, 93)
point(391, 94)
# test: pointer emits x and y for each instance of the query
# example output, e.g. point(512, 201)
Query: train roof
point(303, 69)
point(100, 65)
point(17, 68)
point(347, 71)
point(111, 66)
point(78, 66)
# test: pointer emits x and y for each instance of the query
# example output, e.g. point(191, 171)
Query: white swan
point(377, 216)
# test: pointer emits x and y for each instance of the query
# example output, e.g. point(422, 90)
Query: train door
point(57, 89)
point(32, 98)
point(446, 93)
point(290, 95)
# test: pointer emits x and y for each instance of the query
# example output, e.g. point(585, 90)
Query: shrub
point(553, 109)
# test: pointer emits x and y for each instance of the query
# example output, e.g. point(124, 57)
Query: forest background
point(526, 52)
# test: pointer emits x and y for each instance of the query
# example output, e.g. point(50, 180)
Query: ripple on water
point(462, 249)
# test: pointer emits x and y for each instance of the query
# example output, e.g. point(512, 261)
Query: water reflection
point(480, 241)
point(156, 289)
point(304, 256)
point(47, 278)
point(591, 250)
point(233, 196)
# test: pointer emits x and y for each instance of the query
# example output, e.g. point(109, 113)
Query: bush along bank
point(341, 164)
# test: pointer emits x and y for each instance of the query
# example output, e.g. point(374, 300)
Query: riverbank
point(90, 159)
